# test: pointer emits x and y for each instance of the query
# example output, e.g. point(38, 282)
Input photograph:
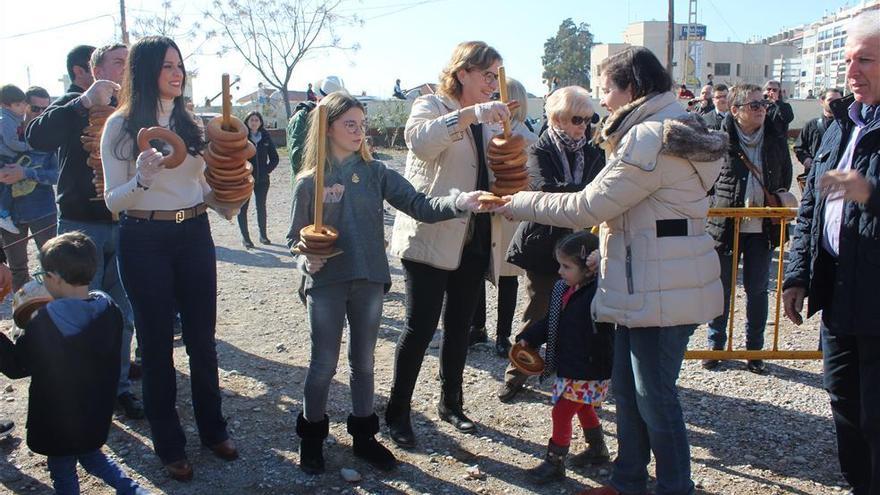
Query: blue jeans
point(166, 265)
point(106, 237)
point(647, 362)
point(62, 469)
point(328, 307)
point(756, 257)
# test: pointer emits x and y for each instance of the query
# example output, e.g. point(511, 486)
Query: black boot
point(399, 427)
point(363, 431)
point(311, 444)
point(553, 466)
point(596, 453)
point(451, 410)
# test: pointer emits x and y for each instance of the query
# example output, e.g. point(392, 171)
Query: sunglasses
point(756, 105)
point(578, 120)
point(39, 276)
point(37, 108)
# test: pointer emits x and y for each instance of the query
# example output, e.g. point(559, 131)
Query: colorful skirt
point(583, 391)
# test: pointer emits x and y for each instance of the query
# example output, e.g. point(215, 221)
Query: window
point(766, 71)
point(737, 70)
point(838, 42)
point(722, 69)
point(819, 59)
point(838, 30)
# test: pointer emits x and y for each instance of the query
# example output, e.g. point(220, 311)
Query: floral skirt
point(583, 391)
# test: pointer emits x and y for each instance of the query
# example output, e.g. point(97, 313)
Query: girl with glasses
point(352, 284)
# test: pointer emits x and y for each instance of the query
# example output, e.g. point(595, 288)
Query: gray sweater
point(359, 217)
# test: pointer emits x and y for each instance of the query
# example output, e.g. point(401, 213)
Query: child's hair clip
point(583, 252)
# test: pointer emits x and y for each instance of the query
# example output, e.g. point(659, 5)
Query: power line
point(723, 19)
point(404, 7)
point(74, 23)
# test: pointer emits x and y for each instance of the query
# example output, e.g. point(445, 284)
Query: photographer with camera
point(779, 112)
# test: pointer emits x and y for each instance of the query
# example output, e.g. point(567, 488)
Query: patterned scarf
point(564, 145)
point(553, 313)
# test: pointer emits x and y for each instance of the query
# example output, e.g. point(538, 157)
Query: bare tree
point(274, 36)
point(165, 23)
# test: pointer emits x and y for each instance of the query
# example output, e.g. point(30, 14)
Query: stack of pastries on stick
point(228, 172)
point(91, 141)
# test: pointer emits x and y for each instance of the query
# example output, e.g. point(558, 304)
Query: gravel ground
point(750, 434)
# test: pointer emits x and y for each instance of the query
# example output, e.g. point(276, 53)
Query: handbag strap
point(755, 173)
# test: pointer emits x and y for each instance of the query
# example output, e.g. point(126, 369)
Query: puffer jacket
point(730, 188)
point(439, 160)
point(659, 267)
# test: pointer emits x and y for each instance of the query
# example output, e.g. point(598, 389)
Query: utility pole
point(670, 36)
point(122, 21)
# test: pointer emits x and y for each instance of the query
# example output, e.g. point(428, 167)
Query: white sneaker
point(7, 225)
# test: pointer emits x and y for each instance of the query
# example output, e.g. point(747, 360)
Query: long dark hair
point(578, 245)
point(259, 116)
point(139, 98)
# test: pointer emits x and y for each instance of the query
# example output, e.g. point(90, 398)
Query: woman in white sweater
point(166, 252)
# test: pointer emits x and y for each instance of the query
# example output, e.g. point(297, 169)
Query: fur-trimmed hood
point(688, 137)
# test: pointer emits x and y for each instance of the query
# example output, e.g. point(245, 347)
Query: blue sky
point(409, 39)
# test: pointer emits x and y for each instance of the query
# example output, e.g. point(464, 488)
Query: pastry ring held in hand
point(178, 148)
point(526, 359)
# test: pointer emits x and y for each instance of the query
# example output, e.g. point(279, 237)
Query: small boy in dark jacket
point(70, 349)
point(579, 353)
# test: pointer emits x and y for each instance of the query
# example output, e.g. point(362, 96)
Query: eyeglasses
point(755, 105)
point(38, 109)
point(353, 127)
point(490, 77)
point(578, 120)
point(39, 276)
point(775, 90)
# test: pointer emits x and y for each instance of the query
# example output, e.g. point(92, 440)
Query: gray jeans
point(361, 302)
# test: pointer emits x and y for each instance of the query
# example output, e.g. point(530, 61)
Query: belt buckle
point(179, 216)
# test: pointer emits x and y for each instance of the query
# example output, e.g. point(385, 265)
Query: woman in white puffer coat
point(659, 273)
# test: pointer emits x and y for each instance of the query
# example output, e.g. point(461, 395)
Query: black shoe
point(756, 366)
point(502, 348)
point(311, 444)
point(552, 468)
point(130, 406)
point(363, 432)
point(451, 410)
point(399, 426)
point(511, 387)
point(264, 240)
point(477, 336)
point(6, 428)
point(247, 243)
point(710, 364)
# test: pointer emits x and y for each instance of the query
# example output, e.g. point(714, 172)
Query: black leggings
point(507, 289)
point(261, 192)
point(425, 290)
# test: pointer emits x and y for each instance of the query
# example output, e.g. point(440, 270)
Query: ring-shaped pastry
point(514, 142)
point(327, 233)
point(505, 167)
point(218, 161)
point(215, 131)
point(516, 176)
point(178, 148)
point(241, 154)
point(526, 359)
point(234, 196)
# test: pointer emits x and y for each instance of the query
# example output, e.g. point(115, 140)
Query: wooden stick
point(319, 169)
point(502, 88)
point(227, 104)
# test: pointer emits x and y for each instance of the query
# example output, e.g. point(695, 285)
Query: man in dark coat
point(834, 258)
point(810, 138)
point(721, 108)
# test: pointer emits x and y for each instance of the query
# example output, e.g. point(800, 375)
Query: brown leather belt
point(168, 215)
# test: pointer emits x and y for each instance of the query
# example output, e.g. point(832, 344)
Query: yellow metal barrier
point(737, 214)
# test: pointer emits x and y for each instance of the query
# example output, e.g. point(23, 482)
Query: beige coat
point(660, 165)
point(439, 160)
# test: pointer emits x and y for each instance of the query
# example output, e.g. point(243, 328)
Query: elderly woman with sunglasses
point(562, 160)
point(758, 159)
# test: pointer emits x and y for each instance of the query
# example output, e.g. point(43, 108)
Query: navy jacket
point(851, 288)
point(533, 244)
point(585, 350)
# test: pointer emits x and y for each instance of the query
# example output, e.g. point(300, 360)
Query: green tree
point(567, 55)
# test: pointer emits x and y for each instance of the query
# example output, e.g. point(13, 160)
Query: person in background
point(705, 104)
point(70, 349)
point(7, 426)
point(59, 129)
point(508, 279)
point(833, 258)
point(310, 94)
point(715, 118)
point(32, 196)
point(562, 160)
point(13, 107)
point(298, 125)
point(709, 80)
point(810, 95)
point(758, 158)
point(684, 93)
point(810, 138)
point(264, 162)
point(779, 111)
point(398, 93)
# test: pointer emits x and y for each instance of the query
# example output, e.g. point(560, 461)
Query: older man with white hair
point(834, 258)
